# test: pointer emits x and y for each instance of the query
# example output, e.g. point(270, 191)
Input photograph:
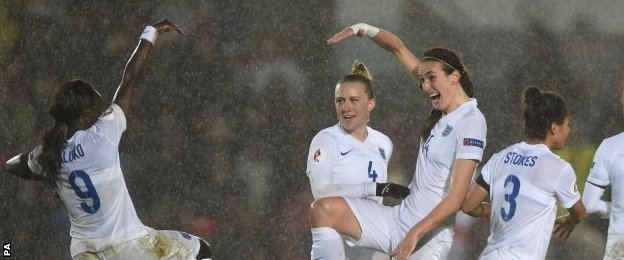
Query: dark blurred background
point(219, 132)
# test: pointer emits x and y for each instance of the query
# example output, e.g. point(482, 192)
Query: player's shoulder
point(102, 129)
point(553, 161)
point(470, 114)
point(470, 108)
point(614, 141)
point(329, 135)
point(377, 135)
point(329, 132)
point(112, 112)
point(506, 150)
point(502, 154)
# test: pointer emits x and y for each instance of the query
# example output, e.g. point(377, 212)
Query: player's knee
point(325, 210)
point(204, 250)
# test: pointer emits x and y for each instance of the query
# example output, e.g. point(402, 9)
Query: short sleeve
point(321, 155)
point(598, 173)
point(471, 138)
point(487, 169)
point(112, 123)
point(565, 188)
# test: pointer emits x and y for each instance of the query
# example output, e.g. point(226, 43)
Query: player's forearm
point(593, 203)
point(132, 72)
point(389, 41)
point(473, 204)
point(363, 190)
point(446, 208)
point(18, 166)
point(392, 43)
point(577, 212)
point(475, 211)
point(449, 205)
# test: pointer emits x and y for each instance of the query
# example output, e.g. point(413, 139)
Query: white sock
point(327, 244)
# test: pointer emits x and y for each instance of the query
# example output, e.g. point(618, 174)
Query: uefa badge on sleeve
point(319, 155)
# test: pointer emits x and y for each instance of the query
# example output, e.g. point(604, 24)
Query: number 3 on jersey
point(371, 173)
point(90, 195)
point(511, 197)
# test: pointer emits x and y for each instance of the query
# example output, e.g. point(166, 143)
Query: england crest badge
point(447, 130)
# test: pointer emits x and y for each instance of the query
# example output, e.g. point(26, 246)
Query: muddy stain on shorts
point(617, 251)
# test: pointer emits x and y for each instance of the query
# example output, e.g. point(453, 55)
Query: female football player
point(349, 158)
point(606, 178)
point(452, 142)
point(80, 158)
point(524, 181)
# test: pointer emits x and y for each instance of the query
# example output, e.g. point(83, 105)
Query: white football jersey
point(525, 181)
point(340, 165)
point(458, 135)
point(92, 186)
point(608, 169)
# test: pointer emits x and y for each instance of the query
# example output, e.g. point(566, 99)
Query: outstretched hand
point(564, 225)
point(344, 34)
point(406, 246)
point(165, 25)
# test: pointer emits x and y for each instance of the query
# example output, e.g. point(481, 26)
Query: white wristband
point(369, 30)
point(33, 161)
point(149, 34)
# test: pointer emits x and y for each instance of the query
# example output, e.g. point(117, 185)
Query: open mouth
point(434, 97)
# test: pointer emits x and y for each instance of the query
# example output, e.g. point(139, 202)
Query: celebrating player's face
point(353, 107)
point(441, 89)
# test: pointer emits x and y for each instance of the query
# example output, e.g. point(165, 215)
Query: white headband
point(438, 59)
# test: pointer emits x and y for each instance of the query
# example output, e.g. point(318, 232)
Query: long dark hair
point(540, 110)
point(68, 103)
point(450, 62)
point(359, 73)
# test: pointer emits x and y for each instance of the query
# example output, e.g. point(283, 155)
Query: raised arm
point(384, 39)
point(136, 64)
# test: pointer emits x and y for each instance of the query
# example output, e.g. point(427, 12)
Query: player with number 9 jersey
point(92, 187)
point(79, 157)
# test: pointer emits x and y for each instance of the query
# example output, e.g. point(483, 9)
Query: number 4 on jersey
point(371, 173)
